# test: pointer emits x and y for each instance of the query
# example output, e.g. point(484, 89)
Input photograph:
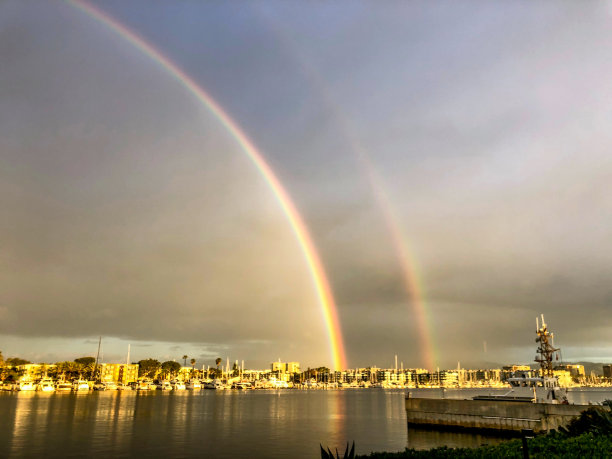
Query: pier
point(489, 415)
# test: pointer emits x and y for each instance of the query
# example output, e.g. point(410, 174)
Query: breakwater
point(488, 415)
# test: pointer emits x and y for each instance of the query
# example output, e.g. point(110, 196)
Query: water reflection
point(189, 424)
point(230, 424)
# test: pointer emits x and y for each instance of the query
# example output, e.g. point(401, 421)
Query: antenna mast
point(546, 349)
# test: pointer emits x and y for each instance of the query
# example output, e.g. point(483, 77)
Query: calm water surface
point(285, 423)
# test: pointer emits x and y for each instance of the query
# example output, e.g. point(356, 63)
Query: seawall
point(489, 415)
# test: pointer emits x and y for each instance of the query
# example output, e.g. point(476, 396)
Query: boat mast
point(97, 357)
point(546, 349)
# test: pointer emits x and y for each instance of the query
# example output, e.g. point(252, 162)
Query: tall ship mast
point(546, 349)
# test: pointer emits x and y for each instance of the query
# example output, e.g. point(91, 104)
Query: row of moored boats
point(80, 385)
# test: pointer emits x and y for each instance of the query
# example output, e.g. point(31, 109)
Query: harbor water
point(222, 424)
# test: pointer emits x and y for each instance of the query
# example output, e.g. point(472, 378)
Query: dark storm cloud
point(128, 212)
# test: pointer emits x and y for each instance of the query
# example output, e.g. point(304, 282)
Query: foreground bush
point(552, 445)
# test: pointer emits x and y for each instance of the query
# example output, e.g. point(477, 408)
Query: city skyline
point(451, 169)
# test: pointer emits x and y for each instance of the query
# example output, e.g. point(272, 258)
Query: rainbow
point(319, 278)
point(409, 265)
point(413, 283)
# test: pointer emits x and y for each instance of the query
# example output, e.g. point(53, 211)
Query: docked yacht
point(99, 386)
point(194, 384)
point(242, 385)
point(536, 403)
point(163, 385)
point(178, 385)
point(63, 386)
point(110, 385)
point(25, 385)
point(145, 385)
point(80, 385)
point(215, 384)
point(539, 389)
point(46, 385)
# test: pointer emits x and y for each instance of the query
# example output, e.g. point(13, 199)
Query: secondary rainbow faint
point(319, 278)
point(412, 282)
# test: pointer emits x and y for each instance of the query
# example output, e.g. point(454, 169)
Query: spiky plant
point(593, 420)
point(347, 454)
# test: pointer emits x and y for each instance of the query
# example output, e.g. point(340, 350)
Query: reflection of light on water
point(337, 417)
point(114, 410)
point(21, 422)
point(29, 420)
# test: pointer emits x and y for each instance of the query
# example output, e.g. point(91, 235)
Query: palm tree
point(193, 361)
point(185, 360)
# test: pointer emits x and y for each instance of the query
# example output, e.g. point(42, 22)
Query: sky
point(128, 211)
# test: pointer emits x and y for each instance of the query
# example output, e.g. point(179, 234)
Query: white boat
point(63, 386)
point(164, 385)
point(532, 402)
point(25, 385)
point(193, 384)
point(121, 386)
point(46, 385)
point(80, 385)
point(178, 385)
point(278, 384)
point(260, 384)
point(540, 389)
point(110, 385)
point(99, 386)
point(144, 385)
point(215, 384)
point(242, 385)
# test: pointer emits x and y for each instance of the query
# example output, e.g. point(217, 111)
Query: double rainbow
point(413, 283)
point(321, 284)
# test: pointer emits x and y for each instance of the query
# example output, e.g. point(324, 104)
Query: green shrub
point(541, 447)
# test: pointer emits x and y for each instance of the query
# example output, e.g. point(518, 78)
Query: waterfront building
point(449, 378)
point(488, 375)
point(577, 371)
point(514, 368)
point(607, 371)
point(285, 367)
point(119, 372)
point(286, 371)
point(510, 371)
point(35, 370)
point(564, 376)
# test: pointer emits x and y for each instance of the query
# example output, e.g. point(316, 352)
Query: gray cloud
point(127, 211)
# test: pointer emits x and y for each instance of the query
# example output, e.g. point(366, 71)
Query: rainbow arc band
point(405, 255)
point(321, 284)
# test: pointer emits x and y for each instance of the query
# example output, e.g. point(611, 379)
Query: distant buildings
point(289, 367)
point(284, 371)
point(36, 370)
point(576, 371)
point(119, 372)
point(607, 371)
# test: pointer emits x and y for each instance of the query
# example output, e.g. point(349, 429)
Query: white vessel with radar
point(539, 389)
point(533, 401)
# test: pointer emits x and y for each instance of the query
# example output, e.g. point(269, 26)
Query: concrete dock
point(489, 415)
